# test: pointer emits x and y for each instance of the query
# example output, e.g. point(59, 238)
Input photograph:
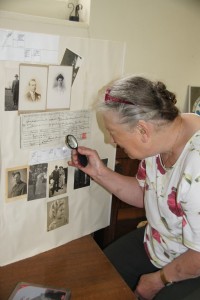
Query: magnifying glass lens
point(72, 143)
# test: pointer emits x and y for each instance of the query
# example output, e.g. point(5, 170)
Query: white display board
point(32, 144)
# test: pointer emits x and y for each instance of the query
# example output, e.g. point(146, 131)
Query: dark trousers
point(129, 257)
point(56, 185)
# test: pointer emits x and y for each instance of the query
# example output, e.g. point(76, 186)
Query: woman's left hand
point(149, 285)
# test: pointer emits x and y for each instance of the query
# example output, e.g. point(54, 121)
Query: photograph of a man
point(32, 94)
point(57, 177)
point(17, 183)
point(12, 87)
point(32, 87)
point(55, 184)
point(15, 90)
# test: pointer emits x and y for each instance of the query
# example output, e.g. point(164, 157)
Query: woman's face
point(60, 81)
point(129, 140)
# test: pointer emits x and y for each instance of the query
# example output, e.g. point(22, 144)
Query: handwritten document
point(50, 128)
point(28, 47)
point(45, 155)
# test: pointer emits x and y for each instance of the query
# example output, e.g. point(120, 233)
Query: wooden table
point(79, 265)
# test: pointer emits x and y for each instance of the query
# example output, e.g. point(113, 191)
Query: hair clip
point(109, 98)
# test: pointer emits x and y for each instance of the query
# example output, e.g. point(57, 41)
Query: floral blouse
point(172, 203)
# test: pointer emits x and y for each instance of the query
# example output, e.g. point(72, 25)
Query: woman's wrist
point(102, 174)
point(163, 278)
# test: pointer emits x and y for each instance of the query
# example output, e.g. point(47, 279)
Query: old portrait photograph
point(11, 86)
point(37, 181)
point(59, 87)
point(16, 183)
point(32, 87)
point(194, 99)
point(71, 58)
point(57, 178)
point(57, 213)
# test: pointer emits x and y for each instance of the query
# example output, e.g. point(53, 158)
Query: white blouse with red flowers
point(172, 203)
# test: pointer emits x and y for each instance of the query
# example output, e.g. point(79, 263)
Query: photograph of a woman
point(59, 87)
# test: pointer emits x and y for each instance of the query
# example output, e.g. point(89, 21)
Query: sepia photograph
point(37, 181)
point(32, 87)
point(59, 87)
point(12, 87)
point(57, 178)
point(194, 99)
point(16, 184)
point(57, 213)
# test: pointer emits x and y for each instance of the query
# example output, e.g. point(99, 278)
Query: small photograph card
point(32, 87)
point(30, 291)
point(59, 87)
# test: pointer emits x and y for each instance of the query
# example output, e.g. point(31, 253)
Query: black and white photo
point(81, 179)
point(59, 87)
point(57, 178)
point(71, 58)
point(11, 87)
point(37, 182)
point(16, 185)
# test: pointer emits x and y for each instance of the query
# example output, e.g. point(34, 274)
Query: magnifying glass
point(72, 143)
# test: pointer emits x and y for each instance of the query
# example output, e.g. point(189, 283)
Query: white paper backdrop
point(23, 224)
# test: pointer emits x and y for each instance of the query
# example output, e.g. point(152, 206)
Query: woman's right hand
point(95, 166)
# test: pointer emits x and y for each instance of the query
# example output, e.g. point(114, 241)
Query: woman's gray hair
point(136, 98)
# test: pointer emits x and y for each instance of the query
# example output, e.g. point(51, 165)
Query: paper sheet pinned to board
point(28, 47)
point(49, 129)
point(46, 155)
point(24, 221)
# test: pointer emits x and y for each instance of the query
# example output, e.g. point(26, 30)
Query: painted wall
point(161, 36)
point(47, 8)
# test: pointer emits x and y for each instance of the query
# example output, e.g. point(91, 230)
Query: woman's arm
point(123, 187)
point(186, 266)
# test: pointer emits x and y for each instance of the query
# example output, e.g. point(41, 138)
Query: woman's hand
point(125, 188)
point(149, 285)
point(94, 167)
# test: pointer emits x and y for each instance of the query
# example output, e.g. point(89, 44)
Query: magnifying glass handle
point(82, 159)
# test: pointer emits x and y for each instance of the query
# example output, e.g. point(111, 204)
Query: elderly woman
point(142, 118)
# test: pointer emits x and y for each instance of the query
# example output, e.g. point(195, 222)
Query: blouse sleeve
point(141, 173)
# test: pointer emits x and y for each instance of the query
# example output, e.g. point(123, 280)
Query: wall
point(161, 36)
point(47, 8)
